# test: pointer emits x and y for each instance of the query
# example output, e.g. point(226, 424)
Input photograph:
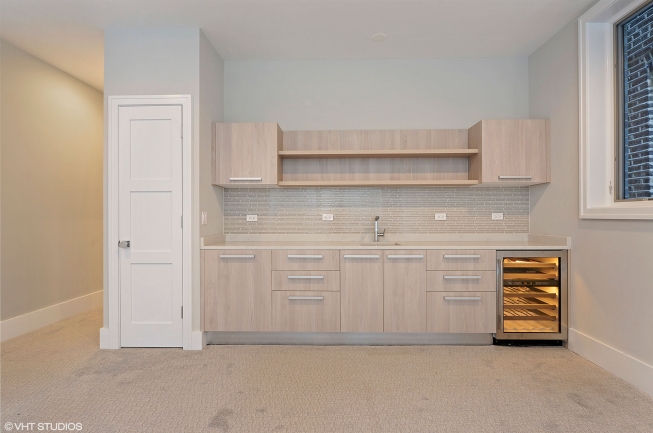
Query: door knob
point(123, 244)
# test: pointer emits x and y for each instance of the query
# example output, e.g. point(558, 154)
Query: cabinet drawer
point(306, 311)
point(307, 260)
point(316, 281)
point(455, 312)
point(461, 260)
point(461, 281)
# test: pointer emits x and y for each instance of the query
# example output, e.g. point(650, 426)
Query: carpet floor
point(58, 375)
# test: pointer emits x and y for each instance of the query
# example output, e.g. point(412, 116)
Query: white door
point(150, 218)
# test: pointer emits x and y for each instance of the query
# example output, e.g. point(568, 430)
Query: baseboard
point(620, 364)
point(198, 340)
point(20, 325)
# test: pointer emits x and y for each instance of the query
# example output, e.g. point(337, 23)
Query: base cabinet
point(305, 311)
point(461, 312)
point(404, 291)
point(361, 288)
point(237, 290)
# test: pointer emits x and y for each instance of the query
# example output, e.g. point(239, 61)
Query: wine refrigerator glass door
point(532, 292)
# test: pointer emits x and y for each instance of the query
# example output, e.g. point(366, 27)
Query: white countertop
point(510, 242)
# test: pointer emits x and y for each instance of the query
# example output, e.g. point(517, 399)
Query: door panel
point(150, 212)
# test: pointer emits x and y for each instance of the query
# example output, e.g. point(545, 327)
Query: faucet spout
point(377, 233)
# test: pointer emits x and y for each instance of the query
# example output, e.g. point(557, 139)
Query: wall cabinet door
point(361, 291)
point(514, 152)
point(404, 291)
point(237, 290)
point(246, 154)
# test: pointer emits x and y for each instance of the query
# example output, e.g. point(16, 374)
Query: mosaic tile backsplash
point(402, 210)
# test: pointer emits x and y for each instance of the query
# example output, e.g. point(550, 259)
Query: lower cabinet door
point(294, 311)
point(361, 287)
point(404, 291)
point(237, 290)
point(461, 312)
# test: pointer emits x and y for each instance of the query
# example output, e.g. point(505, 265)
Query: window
point(634, 153)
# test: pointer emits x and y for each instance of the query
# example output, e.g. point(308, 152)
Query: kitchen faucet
point(376, 230)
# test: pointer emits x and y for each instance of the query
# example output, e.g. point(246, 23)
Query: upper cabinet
point(246, 154)
point(513, 152)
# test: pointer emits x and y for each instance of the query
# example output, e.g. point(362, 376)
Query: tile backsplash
point(402, 210)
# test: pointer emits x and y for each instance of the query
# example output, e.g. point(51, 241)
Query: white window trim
point(597, 114)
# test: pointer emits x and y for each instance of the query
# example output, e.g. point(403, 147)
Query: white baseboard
point(198, 340)
point(620, 364)
point(16, 326)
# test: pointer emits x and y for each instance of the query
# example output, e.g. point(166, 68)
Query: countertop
point(511, 242)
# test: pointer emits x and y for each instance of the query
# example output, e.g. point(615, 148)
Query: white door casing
point(148, 189)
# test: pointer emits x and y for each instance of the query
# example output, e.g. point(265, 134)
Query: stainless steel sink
point(378, 244)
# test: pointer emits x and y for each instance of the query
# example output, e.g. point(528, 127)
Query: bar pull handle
point(462, 256)
point(305, 256)
point(515, 177)
point(306, 298)
point(405, 256)
point(305, 277)
point(251, 179)
point(362, 256)
point(237, 256)
point(462, 298)
point(462, 277)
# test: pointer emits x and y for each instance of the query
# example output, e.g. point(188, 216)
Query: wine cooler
point(532, 295)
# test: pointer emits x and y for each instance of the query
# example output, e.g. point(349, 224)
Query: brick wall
point(638, 105)
point(402, 210)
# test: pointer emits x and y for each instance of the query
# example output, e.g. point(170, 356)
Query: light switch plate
point(327, 217)
point(252, 217)
point(205, 219)
point(440, 216)
point(497, 216)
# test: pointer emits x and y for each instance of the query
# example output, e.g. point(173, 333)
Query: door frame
point(110, 337)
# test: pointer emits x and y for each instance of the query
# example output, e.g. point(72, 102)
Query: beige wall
point(51, 168)
point(611, 277)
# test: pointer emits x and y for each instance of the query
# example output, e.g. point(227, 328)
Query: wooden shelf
point(351, 183)
point(339, 154)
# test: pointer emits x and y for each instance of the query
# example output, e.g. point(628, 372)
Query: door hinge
point(182, 311)
point(610, 188)
point(182, 221)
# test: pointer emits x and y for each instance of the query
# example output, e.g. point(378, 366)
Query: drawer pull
point(237, 256)
point(252, 179)
point(362, 256)
point(306, 298)
point(305, 256)
point(515, 177)
point(462, 277)
point(405, 256)
point(462, 256)
point(305, 277)
point(462, 298)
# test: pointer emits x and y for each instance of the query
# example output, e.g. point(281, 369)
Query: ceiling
point(69, 33)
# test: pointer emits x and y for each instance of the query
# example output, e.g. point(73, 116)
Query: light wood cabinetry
point(246, 154)
point(237, 290)
point(513, 152)
point(461, 281)
point(324, 281)
point(361, 289)
point(461, 312)
point(404, 291)
point(297, 260)
point(306, 311)
point(461, 260)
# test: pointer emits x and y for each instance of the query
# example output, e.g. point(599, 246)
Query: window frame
point(597, 114)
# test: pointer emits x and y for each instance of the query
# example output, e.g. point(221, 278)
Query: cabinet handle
point(462, 277)
point(515, 177)
point(462, 298)
point(462, 256)
point(237, 256)
point(306, 298)
point(362, 256)
point(305, 277)
point(305, 256)
point(405, 256)
point(253, 179)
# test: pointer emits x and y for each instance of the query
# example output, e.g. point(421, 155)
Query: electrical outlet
point(327, 217)
point(205, 219)
point(440, 216)
point(252, 217)
point(497, 216)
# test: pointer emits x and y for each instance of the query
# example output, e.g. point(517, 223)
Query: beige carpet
point(58, 374)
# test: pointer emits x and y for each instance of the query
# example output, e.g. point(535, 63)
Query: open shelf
point(340, 154)
point(352, 183)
